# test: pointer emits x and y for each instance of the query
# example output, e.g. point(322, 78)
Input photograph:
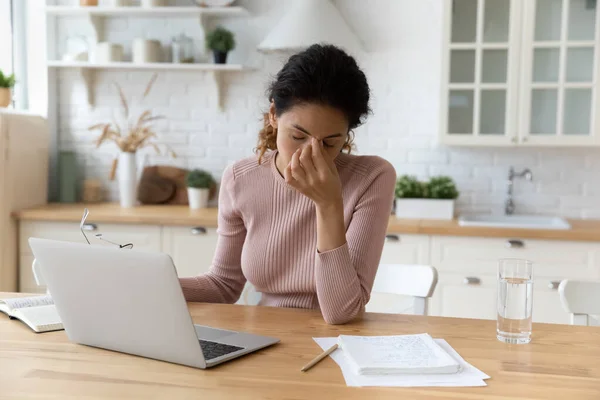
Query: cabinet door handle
point(89, 227)
point(553, 285)
point(199, 230)
point(472, 280)
point(515, 244)
point(392, 238)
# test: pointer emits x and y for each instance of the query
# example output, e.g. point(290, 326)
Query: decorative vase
point(68, 177)
point(146, 51)
point(106, 52)
point(198, 198)
point(5, 97)
point(220, 57)
point(127, 177)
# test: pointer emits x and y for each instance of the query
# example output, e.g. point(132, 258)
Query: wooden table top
point(581, 230)
point(561, 362)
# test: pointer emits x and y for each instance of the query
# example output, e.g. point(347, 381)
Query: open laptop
point(131, 301)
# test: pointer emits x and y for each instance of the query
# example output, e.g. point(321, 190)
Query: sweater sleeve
point(224, 281)
point(344, 276)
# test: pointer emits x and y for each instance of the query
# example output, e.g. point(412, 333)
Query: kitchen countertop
point(581, 230)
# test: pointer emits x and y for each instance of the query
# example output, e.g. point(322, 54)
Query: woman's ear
point(272, 115)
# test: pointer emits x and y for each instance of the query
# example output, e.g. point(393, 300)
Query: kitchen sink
point(514, 221)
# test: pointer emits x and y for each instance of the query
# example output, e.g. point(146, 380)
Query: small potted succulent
point(221, 42)
point(425, 200)
point(199, 183)
point(7, 82)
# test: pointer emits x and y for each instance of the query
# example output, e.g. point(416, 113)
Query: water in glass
point(515, 301)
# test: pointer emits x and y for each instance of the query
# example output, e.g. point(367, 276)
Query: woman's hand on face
point(314, 175)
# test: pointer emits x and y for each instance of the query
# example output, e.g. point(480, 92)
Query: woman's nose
point(305, 145)
point(309, 142)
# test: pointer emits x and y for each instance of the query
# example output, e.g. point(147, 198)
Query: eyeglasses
point(86, 212)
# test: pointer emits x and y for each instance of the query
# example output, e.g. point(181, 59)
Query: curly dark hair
point(322, 74)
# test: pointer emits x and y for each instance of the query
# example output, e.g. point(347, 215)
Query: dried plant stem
point(149, 86)
point(132, 137)
point(123, 100)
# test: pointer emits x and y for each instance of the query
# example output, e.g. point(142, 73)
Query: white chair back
point(581, 299)
point(394, 282)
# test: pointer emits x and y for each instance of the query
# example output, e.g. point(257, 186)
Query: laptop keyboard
point(213, 349)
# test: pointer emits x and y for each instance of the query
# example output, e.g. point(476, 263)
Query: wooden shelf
point(87, 70)
point(96, 17)
point(150, 66)
point(150, 12)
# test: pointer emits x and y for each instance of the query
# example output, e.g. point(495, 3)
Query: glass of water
point(515, 300)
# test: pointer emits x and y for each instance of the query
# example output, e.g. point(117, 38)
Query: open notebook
point(403, 354)
point(37, 312)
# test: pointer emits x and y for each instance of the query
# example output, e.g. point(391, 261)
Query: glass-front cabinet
point(520, 72)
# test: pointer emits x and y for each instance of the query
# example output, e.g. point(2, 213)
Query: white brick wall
point(403, 68)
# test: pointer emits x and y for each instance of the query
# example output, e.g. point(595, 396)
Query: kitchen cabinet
point(520, 73)
point(144, 237)
point(467, 266)
point(405, 249)
point(192, 248)
point(464, 296)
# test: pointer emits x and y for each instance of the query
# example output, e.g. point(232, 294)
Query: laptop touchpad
point(207, 333)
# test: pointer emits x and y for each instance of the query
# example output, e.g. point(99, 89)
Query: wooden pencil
point(319, 358)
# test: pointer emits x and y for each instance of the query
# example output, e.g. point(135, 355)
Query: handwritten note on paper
point(468, 375)
point(24, 302)
point(397, 354)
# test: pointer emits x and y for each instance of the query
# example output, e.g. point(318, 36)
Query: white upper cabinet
point(519, 72)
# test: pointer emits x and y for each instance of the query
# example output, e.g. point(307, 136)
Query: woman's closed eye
point(326, 144)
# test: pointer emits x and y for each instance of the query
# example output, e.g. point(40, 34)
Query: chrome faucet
point(509, 205)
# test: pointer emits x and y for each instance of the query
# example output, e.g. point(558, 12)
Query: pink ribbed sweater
point(268, 236)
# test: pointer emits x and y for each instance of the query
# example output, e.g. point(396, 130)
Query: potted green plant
point(199, 183)
point(433, 199)
point(7, 82)
point(221, 41)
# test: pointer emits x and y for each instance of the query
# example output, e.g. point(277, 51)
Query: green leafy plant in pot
point(199, 183)
point(221, 41)
point(433, 199)
point(7, 82)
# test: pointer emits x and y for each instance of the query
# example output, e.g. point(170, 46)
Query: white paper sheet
point(397, 354)
point(468, 376)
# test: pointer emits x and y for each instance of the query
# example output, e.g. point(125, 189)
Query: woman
point(304, 222)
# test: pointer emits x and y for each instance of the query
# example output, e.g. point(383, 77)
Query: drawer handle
point(515, 244)
point(89, 227)
point(392, 238)
point(199, 230)
point(472, 280)
point(553, 285)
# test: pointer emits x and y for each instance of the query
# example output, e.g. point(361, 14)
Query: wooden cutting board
point(161, 184)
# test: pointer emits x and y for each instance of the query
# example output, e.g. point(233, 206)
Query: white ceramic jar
point(146, 51)
point(107, 52)
point(153, 3)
